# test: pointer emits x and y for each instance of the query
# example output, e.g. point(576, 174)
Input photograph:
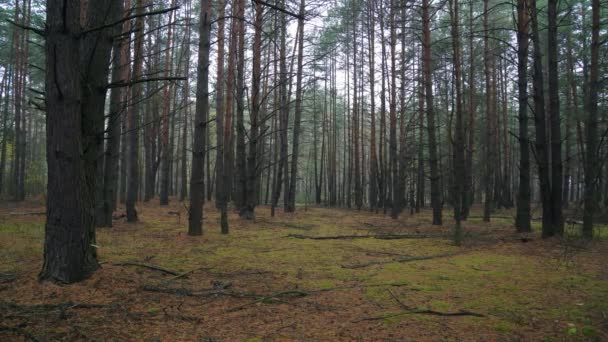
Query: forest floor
point(267, 281)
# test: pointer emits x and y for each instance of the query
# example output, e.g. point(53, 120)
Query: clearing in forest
point(318, 274)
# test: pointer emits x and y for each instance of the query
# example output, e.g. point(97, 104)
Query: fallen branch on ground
point(148, 266)
point(421, 312)
point(403, 259)
point(351, 237)
point(207, 293)
point(35, 213)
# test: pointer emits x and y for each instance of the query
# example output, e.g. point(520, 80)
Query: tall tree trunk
point(165, 176)
point(459, 176)
point(291, 202)
point(489, 152)
point(430, 115)
point(591, 165)
point(133, 117)
point(195, 218)
point(75, 101)
point(522, 219)
point(393, 116)
point(373, 157)
point(542, 153)
point(256, 81)
point(555, 121)
point(241, 148)
point(470, 153)
point(120, 74)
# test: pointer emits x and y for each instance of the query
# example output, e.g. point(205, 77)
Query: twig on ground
point(148, 266)
point(403, 259)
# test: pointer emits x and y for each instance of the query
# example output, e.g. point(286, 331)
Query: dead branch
point(34, 213)
point(402, 259)
point(148, 266)
point(210, 293)
point(352, 237)
point(421, 312)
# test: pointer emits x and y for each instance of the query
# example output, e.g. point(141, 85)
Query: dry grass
point(538, 290)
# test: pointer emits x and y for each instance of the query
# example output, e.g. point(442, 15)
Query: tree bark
point(195, 218)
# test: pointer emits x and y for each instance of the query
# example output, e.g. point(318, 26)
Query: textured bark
point(195, 218)
point(75, 101)
point(523, 216)
point(430, 115)
point(393, 117)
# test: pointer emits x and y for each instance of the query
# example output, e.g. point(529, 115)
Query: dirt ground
point(370, 278)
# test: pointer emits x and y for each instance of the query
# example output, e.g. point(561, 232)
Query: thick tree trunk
point(75, 101)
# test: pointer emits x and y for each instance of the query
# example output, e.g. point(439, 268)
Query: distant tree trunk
point(219, 107)
point(118, 99)
point(283, 112)
point(420, 174)
point(459, 176)
point(355, 116)
point(393, 116)
point(542, 153)
point(591, 166)
point(165, 175)
point(555, 121)
point(470, 153)
point(522, 219)
point(291, 203)
point(133, 117)
point(241, 148)
point(430, 112)
point(6, 84)
point(195, 218)
point(227, 144)
point(75, 90)
point(373, 157)
point(256, 81)
point(183, 193)
point(489, 153)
